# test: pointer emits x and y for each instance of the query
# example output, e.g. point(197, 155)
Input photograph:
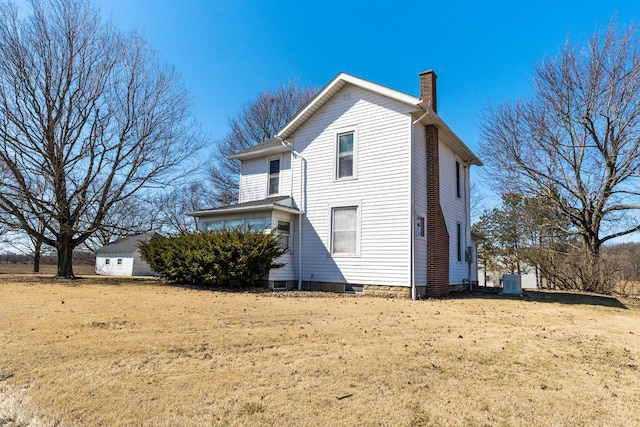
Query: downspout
point(412, 213)
point(467, 215)
point(303, 162)
point(412, 252)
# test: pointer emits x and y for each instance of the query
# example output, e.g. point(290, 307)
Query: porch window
point(344, 229)
point(274, 176)
point(284, 233)
point(256, 224)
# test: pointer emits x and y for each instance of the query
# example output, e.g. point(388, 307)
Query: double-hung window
point(458, 180)
point(344, 231)
point(345, 164)
point(459, 242)
point(420, 231)
point(284, 232)
point(274, 176)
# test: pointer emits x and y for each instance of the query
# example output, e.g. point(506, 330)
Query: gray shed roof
point(127, 244)
point(269, 143)
point(269, 147)
point(283, 203)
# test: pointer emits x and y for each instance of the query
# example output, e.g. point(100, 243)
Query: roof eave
point(331, 88)
point(258, 153)
point(450, 138)
point(240, 209)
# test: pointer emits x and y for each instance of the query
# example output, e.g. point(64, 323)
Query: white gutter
point(467, 214)
point(303, 161)
point(412, 243)
point(419, 119)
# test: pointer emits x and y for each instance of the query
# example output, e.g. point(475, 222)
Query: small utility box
point(512, 285)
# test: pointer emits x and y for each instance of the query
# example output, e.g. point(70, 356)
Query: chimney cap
point(428, 72)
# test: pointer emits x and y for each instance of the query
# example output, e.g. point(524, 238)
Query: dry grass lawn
point(109, 352)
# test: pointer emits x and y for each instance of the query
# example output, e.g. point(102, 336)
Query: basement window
point(280, 284)
point(353, 289)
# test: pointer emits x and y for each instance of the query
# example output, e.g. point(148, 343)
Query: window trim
point(269, 160)
point(332, 209)
point(336, 161)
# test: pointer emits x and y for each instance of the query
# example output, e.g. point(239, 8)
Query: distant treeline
point(79, 258)
point(624, 260)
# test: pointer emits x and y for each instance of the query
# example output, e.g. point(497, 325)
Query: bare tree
point(576, 141)
point(258, 121)
point(172, 207)
point(128, 217)
point(88, 119)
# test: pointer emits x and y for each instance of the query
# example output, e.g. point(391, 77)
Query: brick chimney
point(437, 234)
point(428, 89)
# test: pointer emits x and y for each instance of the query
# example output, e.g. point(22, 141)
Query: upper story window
point(274, 176)
point(458, 187)
point(345, 165)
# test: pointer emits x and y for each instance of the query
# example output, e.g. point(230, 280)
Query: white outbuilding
point(123, 258)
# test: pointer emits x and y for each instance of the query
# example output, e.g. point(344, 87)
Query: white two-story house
point(369, 190)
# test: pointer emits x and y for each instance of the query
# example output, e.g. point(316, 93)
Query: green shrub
point(225, 258)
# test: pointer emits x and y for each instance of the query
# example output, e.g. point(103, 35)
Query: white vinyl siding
point(454, 210)
point(383, 141)
point(118, 265)
point(254, 178)
point(419, 194)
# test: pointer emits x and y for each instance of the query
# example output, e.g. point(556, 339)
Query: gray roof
point(127, 245)
point(269, 143)
point(286, 203)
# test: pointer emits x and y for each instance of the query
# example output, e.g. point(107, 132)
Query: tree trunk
point(65, 259)
point(36, 256)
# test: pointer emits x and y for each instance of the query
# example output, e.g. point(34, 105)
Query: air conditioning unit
point(511, 285)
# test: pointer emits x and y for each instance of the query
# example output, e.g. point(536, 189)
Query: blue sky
point(483, 52)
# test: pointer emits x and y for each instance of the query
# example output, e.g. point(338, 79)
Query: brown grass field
point(111, 352)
